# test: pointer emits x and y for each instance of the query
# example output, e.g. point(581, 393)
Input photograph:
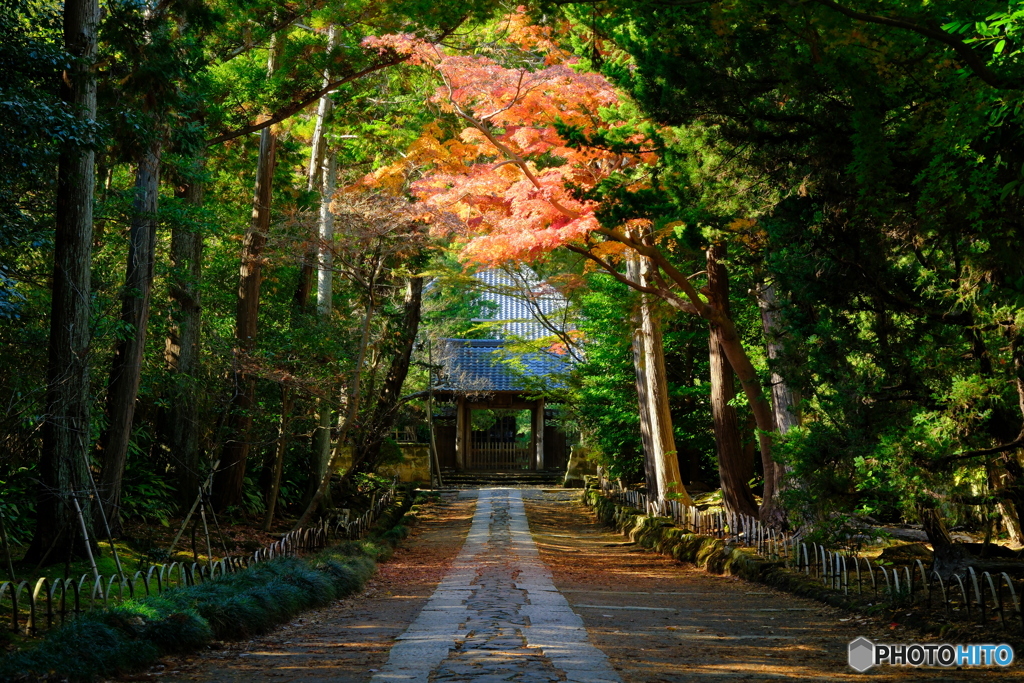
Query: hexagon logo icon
point(862, 654)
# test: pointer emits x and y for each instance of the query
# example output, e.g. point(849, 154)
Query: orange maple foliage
point(507, 174)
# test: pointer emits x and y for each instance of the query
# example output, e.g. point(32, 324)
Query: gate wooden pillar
point(538, 434)
point(462, 434)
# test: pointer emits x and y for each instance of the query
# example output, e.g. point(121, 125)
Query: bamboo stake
point(206, 532)
point(220, 534)
point(85, 538)
point(184, 524)
point(103, 516)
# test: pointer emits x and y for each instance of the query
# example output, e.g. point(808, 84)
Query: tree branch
point(695, 305)
point(525, 294)
point(664, 293)
point(310, 98)
point(294, 107)
point(607, 267)
point(950, 459)
point(971, 58)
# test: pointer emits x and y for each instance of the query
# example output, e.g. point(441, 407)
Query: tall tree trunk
point(949, 557)
point(322, 177)
point(66, 442)
point(325, 248)
point(382, 419)
point(656, 412)
point(230, 477)
point(643, 402)
point(785, 401)
point(126, 367)
point(670, 479)
point(181, 348)
point(318, 152)
point(324, 306)
point(1009, 465)
point(731, 345)
point(732, 461)
point(999, 478)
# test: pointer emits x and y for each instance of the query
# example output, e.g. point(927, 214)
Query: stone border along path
point(496, 615)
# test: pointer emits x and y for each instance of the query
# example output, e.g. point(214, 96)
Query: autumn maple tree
point(536, 138)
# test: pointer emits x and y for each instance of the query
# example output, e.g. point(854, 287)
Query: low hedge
point(661, 534)
point(135, 633)
point(711, 554)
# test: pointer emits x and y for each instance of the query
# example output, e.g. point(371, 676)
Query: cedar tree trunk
point(670, 479)
point(63, 465)
point(324, 307)
point(181, 348)
point(785, 401)
point(126, 367)
point(643, 402)
point(733, 467)
point(318, 152)
point(350, 417)
point(230, 477)
point(382, 419)
point(287, 403)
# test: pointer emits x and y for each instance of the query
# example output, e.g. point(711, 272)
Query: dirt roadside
point(662, 620)
point(349, 640)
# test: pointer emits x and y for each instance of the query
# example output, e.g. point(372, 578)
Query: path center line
point(496, 614)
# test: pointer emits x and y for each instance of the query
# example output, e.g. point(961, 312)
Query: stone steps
point(475, 479)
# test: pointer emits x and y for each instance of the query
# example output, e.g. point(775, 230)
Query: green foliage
point(32, 120)
point(147, 494)
point(878, 181)
point(84, 649)
point(604, 386)
point(372, 483)
point(867, 172)
point(17, 505)
point(135, 633)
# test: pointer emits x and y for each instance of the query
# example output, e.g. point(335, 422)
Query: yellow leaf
point(741, 224)
point(609, 250)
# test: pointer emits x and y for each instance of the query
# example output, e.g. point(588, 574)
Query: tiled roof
point(516, 300)
point(477, 365)
point(485, 365)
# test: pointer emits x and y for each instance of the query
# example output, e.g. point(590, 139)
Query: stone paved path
point(471, 596)
point(496, 616)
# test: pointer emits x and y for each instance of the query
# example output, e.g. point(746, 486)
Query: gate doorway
point(501, 440)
